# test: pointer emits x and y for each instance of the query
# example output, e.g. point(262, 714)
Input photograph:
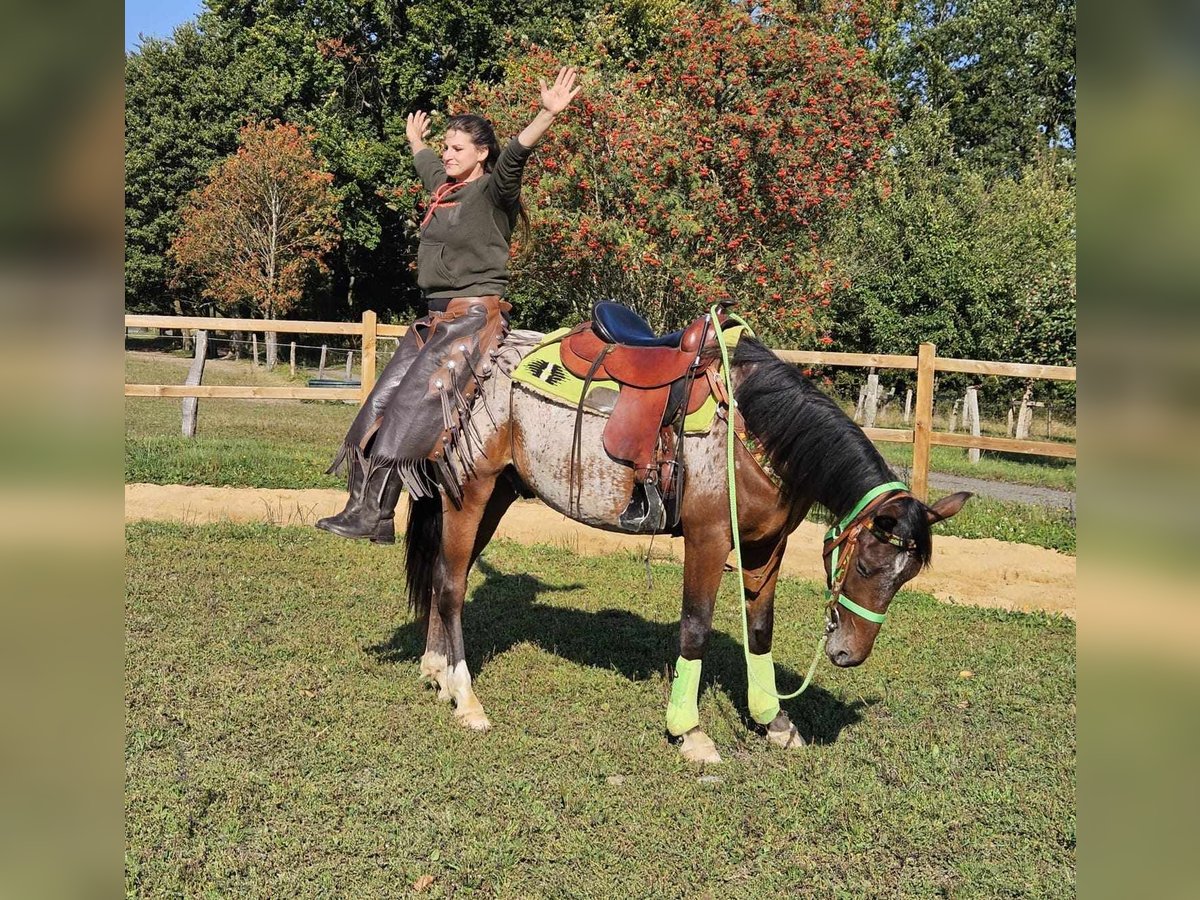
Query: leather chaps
point(417, 418)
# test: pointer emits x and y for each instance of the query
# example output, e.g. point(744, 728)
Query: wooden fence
point(926, 363)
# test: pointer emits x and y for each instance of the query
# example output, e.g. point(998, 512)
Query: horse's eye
point(862, 570)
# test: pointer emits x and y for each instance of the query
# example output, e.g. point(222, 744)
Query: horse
point(808, 452)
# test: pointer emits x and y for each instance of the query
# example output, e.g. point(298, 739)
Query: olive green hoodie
point(465, 240)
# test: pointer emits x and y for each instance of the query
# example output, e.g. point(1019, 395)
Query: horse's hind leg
point(759, 576)
point(433, 662)
point(466, 532)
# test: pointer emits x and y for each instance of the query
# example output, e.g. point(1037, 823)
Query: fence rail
point(926, 364)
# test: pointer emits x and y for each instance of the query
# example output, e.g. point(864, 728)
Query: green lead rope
point(733, 519)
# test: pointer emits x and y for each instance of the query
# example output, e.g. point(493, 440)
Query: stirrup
point(645, 512)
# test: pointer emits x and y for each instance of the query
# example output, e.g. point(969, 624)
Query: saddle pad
point(542, 370)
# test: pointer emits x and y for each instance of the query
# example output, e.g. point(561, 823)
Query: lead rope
point(733, 517)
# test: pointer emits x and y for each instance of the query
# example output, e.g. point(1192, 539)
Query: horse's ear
point(947, 506)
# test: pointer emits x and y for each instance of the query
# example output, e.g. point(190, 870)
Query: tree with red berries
point(708, 173)
point(262, 224)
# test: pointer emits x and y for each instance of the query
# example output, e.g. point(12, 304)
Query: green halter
point(835, 582)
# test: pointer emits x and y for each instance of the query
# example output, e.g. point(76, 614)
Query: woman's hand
point(417, 129)
point(557, 97)
point(554, 100)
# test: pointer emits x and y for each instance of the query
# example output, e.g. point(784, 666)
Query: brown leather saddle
point(661, 380)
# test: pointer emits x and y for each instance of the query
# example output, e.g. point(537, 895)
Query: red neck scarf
point(440, 196)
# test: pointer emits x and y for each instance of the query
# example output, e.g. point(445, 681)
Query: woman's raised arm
point(555, 99)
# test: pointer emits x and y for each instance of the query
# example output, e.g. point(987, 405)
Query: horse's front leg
point(759, 576)
point(704, 561)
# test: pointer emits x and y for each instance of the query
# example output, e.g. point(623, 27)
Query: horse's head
point(867, 560)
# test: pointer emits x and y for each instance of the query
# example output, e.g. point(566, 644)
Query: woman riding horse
point(409, 432)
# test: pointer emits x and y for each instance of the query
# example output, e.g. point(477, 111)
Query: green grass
point(278, 743)
point(249, 443)
point(1023, 523)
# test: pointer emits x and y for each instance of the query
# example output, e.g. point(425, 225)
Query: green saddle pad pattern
point(542, 371)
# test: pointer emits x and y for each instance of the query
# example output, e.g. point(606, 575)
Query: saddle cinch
point(662, 379)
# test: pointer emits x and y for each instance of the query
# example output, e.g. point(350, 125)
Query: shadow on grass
point(153, 343)
point(504, 611)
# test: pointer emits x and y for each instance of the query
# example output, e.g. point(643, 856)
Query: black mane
point(816, 449)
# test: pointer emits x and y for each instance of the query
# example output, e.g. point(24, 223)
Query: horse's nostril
point(841, 657)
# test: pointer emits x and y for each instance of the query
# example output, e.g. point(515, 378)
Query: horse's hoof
point(473, 719)
point(698, 747)
point(784, 735)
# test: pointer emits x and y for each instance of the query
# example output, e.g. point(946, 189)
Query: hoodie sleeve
point(430, 169)
point(504, 187)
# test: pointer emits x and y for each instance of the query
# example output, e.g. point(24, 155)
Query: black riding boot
point(371, 509)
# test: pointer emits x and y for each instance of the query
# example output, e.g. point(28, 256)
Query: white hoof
point(474, 719)
point(782, 733)
point(698, 747)
point(433, 670)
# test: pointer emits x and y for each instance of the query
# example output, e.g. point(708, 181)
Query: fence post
point(971, 419)
point(349, 363)
point(254, 346)
point(194, 376)
point(369, 323)
point(907, 405)
point(1025, 415)
point(871, 400)
point(923, 421)
point(321, 367)
point(293, 358)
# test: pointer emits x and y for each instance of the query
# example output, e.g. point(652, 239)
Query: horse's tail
point(422, 545)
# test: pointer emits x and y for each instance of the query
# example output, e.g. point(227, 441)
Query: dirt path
point(981, 572)
point(1001, 490)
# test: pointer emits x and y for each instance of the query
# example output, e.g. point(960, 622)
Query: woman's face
point(462, 158)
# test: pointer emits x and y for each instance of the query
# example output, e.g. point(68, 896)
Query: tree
point(349, 71)
point(932, 251)
point(698, 176)
point(262, 224)
point(1000, 72)
point(183, 107)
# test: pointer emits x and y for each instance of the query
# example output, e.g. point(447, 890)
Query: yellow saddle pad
point(542, 371)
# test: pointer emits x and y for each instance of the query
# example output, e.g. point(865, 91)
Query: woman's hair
point(481, 133)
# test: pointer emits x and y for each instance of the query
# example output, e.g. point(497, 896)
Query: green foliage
point(1001, 73)
point(965, 236)
point(184, 101)
point(278, 743)
point(350, 72)
point(932, 251)
point(700, 177)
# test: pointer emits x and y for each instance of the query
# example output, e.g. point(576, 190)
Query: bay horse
point(810, 453)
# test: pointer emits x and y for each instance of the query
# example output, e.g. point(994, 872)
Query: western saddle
point(662, 378)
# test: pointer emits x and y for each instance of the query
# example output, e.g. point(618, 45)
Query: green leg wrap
point(760, 694)
point(683, 713)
